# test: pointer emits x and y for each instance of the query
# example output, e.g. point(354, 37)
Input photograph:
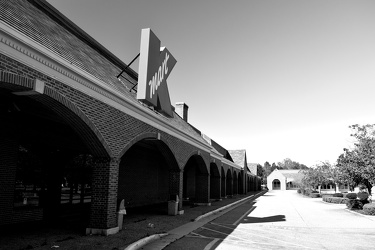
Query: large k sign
point(155, 65)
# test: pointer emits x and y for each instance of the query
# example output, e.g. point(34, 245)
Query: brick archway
point(56, 131)
point(196, 187)
point(61, 106)
point(214, 181)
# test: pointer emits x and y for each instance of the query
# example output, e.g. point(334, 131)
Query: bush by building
point(369, 209)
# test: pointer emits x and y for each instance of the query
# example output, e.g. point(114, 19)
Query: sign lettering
point(155, 65)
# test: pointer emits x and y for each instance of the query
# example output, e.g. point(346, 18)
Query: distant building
point(283, 179)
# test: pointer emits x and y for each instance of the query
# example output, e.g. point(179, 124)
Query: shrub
point(351, 196)
point(314, 195)
point(338, 195)
point(299, 191)
point(362, 196)
point(369, 209)
point(336, 200)
point(352, 204)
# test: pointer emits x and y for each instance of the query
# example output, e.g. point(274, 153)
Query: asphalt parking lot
point(284, 220)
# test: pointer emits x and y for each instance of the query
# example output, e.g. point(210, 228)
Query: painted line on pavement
point(246, 214)
point(211, 244)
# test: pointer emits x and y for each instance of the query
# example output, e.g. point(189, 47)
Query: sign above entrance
point(155, 65)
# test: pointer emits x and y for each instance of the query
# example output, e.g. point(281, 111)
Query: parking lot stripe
point(245, 214)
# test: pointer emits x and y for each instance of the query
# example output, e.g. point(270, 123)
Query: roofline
point(82, 35)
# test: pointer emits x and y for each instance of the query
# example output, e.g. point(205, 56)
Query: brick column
point(202, 190)
point(103, 216)
point(176, 180)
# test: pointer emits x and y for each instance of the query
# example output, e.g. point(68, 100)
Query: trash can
point(173, 205)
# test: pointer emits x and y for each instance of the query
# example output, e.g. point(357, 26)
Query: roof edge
point(56, 15)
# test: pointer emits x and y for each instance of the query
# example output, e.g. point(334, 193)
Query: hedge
point(338, 195)
point(351, 196)
point(369, 209)
point(336, 200)
point(314, 195)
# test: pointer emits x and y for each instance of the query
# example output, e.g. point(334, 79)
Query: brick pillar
point(202, 189)
point(176, 180)
point(8, 168)
point(103, 216)
point(243, 186)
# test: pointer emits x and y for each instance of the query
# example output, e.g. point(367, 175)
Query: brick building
point(73, 135)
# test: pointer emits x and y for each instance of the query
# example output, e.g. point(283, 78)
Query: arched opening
point(235, 183)
point(229, 183)
point(276, 185)
point(48, 154)
point(214, 182)
point(240, 183)
point(196, 181)
point(223, 183)
point(144, 177)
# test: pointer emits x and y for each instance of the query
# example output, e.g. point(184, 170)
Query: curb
point(140, 243)
point(370, 217)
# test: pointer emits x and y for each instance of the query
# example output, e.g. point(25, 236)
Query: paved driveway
point(284, 220)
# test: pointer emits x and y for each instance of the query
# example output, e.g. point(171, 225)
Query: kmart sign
point(155, 65)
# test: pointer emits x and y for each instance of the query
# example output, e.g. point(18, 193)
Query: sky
point(279, 78)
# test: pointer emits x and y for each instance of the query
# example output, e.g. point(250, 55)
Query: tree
point(259, 170)
point(322, 173)
point(357, 166)
point(273, 167)
point(287, 163)
point(266, 171)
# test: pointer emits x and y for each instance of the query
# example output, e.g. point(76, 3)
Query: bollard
point(121, 212)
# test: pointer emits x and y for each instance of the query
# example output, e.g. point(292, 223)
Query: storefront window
point(29, 183)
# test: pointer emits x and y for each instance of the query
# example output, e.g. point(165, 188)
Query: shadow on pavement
point(274, 218)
